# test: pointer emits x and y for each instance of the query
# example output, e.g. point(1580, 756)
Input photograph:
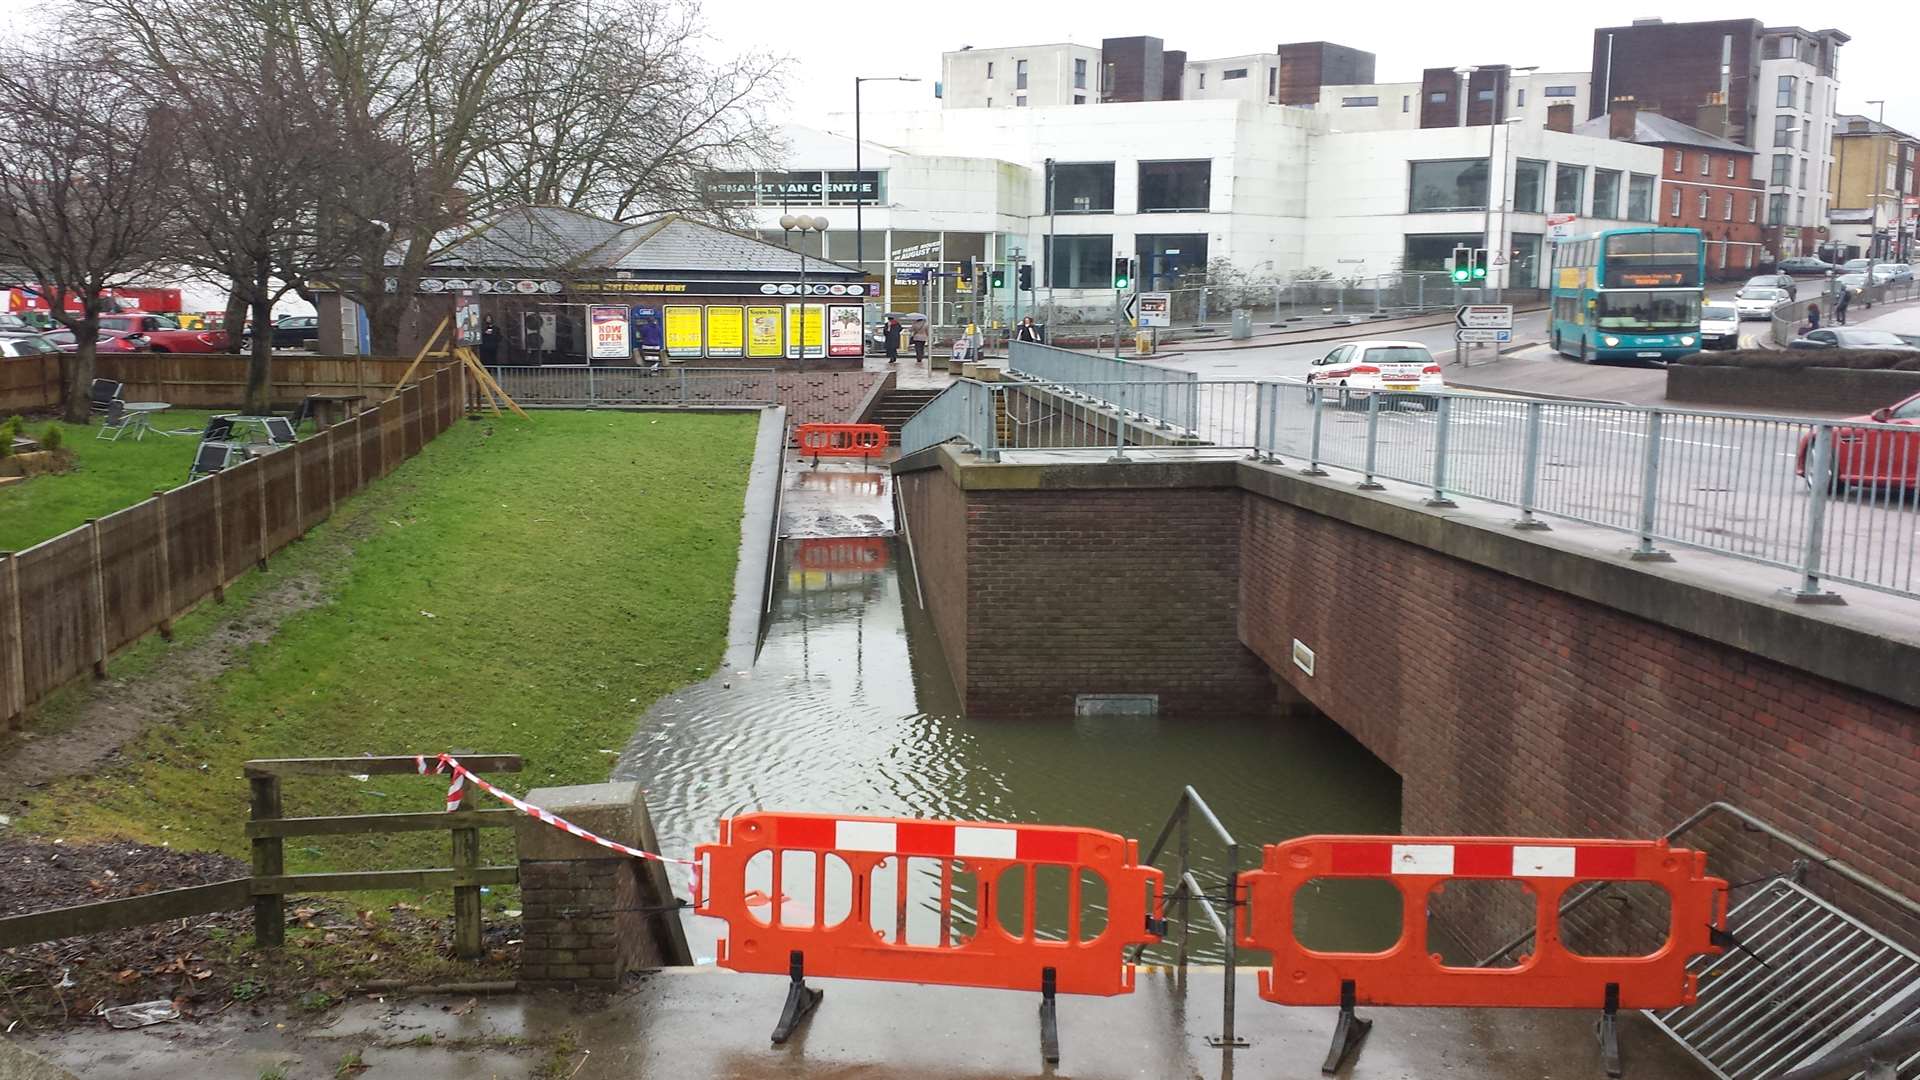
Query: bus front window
point(1648, 311)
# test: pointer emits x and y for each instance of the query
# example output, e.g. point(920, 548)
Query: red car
point(1873, 456)
point(110, 341)
point(163, 333)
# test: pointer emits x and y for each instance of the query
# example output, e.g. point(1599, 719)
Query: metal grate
point(1810, 980)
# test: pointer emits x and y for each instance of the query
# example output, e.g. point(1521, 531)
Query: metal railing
point(1788, 318)
point(593, 387)
point(1829, 500)
point(1063, 367)
point(1187, 890)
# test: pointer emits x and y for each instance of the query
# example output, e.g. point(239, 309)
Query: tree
point(85, 198)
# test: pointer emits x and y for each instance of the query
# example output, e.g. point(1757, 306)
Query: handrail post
point(1822, 475)
point(1186, 902)
point(466, 898)
point(1273, 423)
point(593, 392)
point(1530, 471)
point(269, 914)
point(1313, 450)
point(1119, 434)
point(1644, 551)
point(1439, 496)
point(1259, 419)
point(1373, 442)
point(1227, 1038)
point(990, 438)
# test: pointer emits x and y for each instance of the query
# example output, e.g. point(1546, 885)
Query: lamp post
point(1498, 105)
point(859, 197)
point(803, 224)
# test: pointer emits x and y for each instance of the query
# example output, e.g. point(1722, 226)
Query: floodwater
point(849, 709)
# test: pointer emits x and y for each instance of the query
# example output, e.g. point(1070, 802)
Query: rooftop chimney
point(1621, 115)
point(1712, 118)
point(1560, 116)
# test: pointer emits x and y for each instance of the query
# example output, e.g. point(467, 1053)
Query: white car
point(1894, 273)
point(1719, 325)
point(1358, 368)
point(1754, 302)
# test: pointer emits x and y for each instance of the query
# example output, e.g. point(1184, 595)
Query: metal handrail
point(1882, 1052)
point(1189, 889)
point(1813, 854)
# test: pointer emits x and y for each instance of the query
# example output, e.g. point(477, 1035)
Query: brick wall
point(1104, 592)
point(1512, 708)
point(936, 509)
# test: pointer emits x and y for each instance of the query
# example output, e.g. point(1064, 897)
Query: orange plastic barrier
point(840, 553)
point(841, 440)
point(1410, 973)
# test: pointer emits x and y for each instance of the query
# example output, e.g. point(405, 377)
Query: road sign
point(1132, 310)
point(1468, 337)
point(1156, 309)
point(1484, 316)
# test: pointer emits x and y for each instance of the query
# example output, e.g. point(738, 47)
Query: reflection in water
point(849, 709)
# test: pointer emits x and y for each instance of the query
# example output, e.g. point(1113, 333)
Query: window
point(1706, 164)
point(1639, 197)
point(1406, 102)
point(1520, 98)
point(1606, 193)
point(1704, 209)
point(1273, 82)
point(989, 103)
point(1085, 188)
point(1175, 185)
point(1020, 99)
point(1529, 185)
point(989, 69)
point(1726, 211)
point(1079, 262)
point(1359, 102)
point(1804, 128)
point(1782, 169)
point(1430, 251)
point(1079, 74)
point(1731, 160)
point(1168, 258)
point(1569, 184)
point(1803, 172)
point(1233, 73)
point(1019, 74)
point(1679, 161)
point(1079, 99)
point(1483, 95)
point(1800, 210)
point(1203, 80)
point(1783, 130)
point(1648, 310)
point(1673, 211)
point(1561, 91)
point(1447, 185)
point(1776, 209)
point(1438, 97)
point(1753, 209)
point(1783, 93)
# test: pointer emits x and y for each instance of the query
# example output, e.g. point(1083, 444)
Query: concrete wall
point(1794, 392)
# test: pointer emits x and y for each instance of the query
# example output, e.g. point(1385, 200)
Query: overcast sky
point(830, 47)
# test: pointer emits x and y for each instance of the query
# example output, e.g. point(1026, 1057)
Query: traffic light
point(1479, 264)
point(1462, 265)
point(966, 271)
point(998, 279)
point(1122, 272)
point(1025, 276)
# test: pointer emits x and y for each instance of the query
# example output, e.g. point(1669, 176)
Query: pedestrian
point(1840, 306)
point(919, 336)
point(1028, 331)
point(1813, 318)
point(891, 336)
point(489, 343)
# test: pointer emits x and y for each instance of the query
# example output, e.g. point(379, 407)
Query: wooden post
point(166, 570)
point(333, 482)
point(260, 487)
point(466, 898)
point(99, 600)
point(269, 915)
point(16, 660)
point(219, 540)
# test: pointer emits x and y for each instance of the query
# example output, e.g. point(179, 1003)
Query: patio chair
point(280, 431)
point(114, 424)
point(103, 392)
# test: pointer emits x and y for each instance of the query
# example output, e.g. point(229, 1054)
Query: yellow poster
point(816, 331)
point(763, 331)
point(726, 327)
point(683, 330)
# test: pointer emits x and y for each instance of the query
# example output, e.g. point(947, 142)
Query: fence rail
point(1831, 501)
point(68, 603)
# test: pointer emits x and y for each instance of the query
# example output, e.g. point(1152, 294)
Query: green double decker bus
point(1628, 294)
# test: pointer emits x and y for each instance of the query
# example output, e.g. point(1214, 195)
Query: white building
point(1023, 75)
point(1395, 106)
point(1796, 102)
point(1254, 77)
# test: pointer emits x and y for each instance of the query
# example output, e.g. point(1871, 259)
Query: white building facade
point(1031, 76)
point(1797, 103)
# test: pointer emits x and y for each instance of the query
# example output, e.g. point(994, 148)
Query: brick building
point(1706, 183)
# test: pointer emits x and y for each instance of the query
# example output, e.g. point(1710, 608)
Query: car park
point(1759, 301)
point(1804, 264)
point(1878, 455)
point(24, 343)
point(1719, 325)
point(1851, 337)
point(163, 334)
point(1783, 282)
point(1356, 369)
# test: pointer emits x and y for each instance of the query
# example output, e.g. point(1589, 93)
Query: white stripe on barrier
point(1422, 858)
point(973, 841)
point(1542, 861)
point(881, 836)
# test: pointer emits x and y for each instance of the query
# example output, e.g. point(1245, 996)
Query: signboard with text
point(810, 340)
point(763, 331)
point(683, 329)
point(726, 330)
point(608, 332)
point(1484, 316)
point(1156, 309)
point(846, 330)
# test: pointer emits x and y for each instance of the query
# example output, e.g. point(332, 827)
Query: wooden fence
point(68, 604)
point(199, 380)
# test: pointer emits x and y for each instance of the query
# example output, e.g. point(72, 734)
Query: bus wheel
point(1556, 343)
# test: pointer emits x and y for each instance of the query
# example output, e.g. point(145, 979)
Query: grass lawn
point(111, 476)
point(520, 587)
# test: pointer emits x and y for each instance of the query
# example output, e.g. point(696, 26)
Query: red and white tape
point(447, 763)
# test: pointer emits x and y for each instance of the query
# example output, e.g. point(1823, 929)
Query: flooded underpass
point(849, 709)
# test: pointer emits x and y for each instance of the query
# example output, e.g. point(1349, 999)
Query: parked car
point(110, 341)
point(1719, 325)
point(1850, 337)
point(163, 334)
point(1856, 281)
point(1358, 368)
point(1759, 301)
point(1871, 456)
point(296, 331)
point(1892, 272)
point(1804, 264)
point(1856, 266)
point(24, 343)
point(1783, 282)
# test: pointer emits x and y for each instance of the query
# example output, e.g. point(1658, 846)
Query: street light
point(859, 198)
point(1498, 244)
point(802, 224)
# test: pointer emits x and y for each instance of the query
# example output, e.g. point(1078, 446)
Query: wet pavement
point(715, 1024)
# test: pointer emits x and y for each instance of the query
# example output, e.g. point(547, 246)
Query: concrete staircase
point(893, 409)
